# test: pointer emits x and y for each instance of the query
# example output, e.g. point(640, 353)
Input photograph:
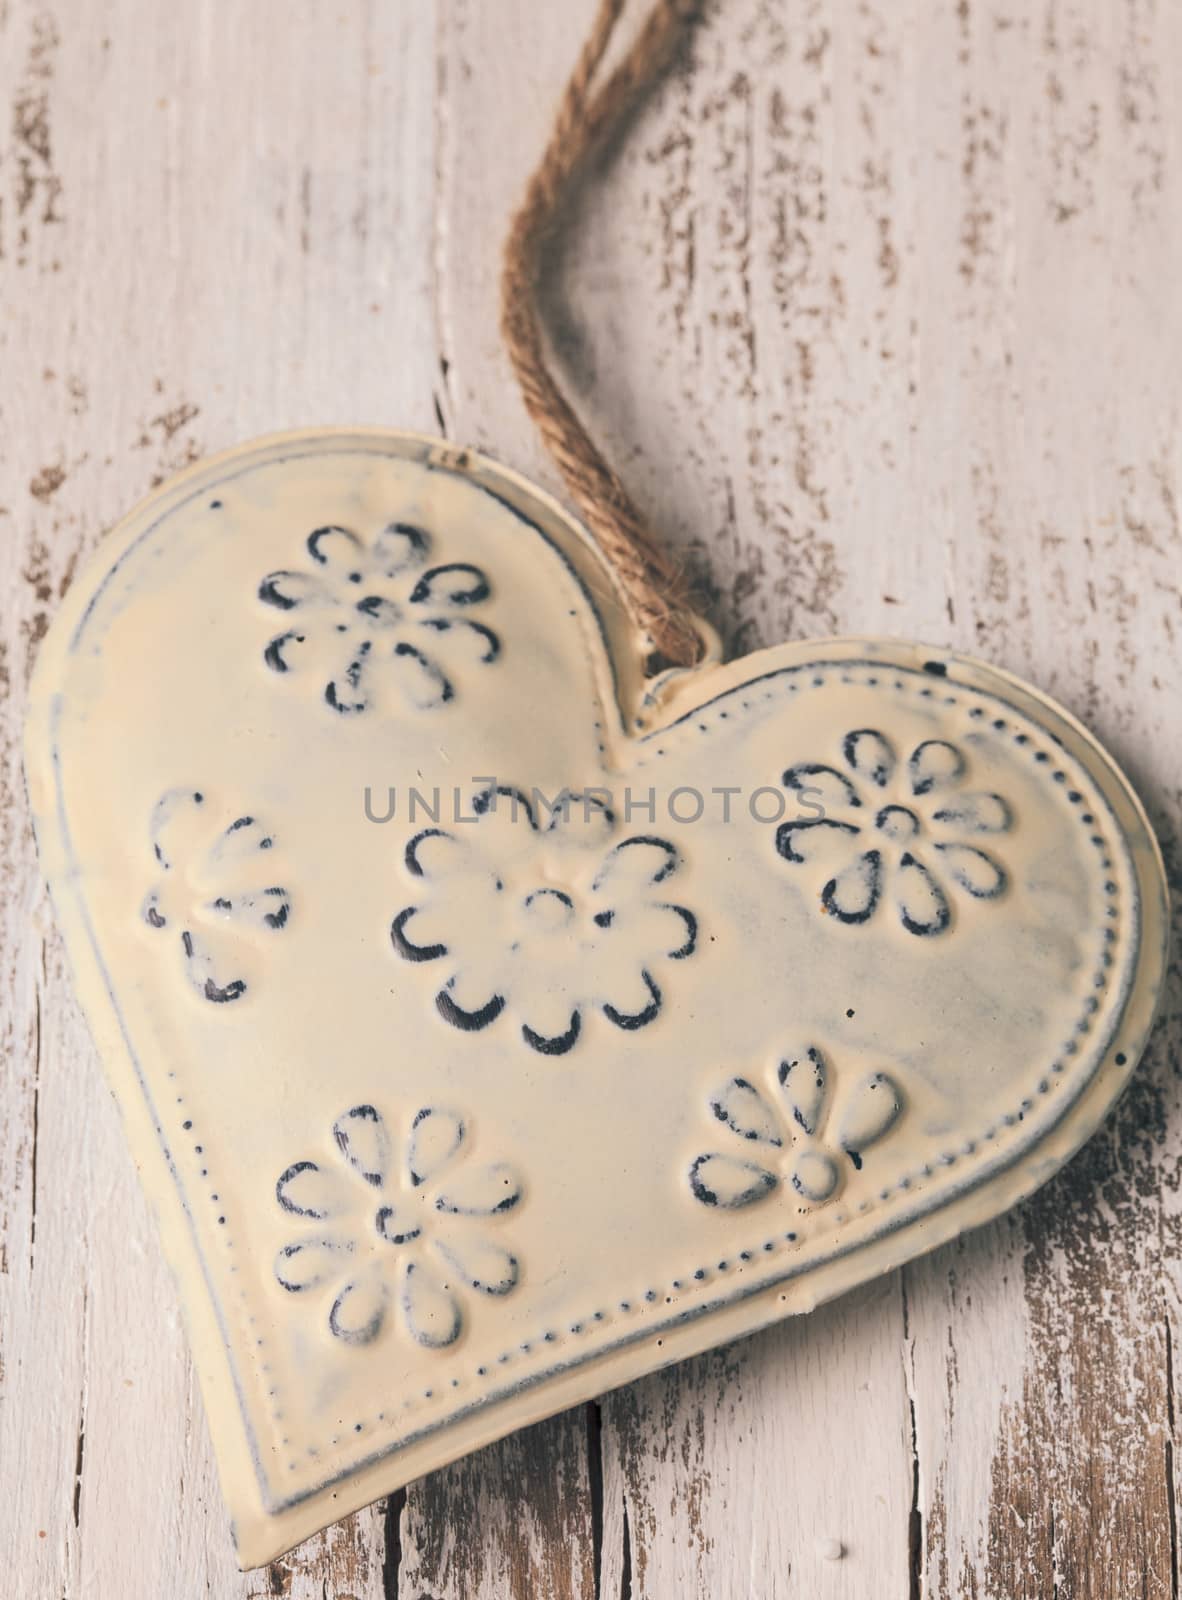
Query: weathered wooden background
point(878, 308)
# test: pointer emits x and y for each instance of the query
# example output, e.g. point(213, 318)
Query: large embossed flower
point(886, 826)
point(215, 893)
point(802, 1130)
point(379, 613)
point(547, 922)
point(412, 1237)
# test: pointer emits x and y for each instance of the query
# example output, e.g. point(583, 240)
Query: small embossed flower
point(380, 613)
point(411, 1238)
point(886, 826)
point(804, 1131)
point(546, 922)
point(216, 892)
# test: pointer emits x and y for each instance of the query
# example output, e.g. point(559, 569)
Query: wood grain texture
point(876, 309)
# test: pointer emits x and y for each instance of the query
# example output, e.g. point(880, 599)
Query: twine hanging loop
point(653, 585)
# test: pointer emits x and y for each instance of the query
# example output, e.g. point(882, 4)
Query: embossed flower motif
point(888, 825)
point(212, 891)
point(547, 922)
point(805, 1132)
point(379, 613)
point(409, 1238)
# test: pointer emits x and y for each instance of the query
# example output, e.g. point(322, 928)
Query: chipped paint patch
point(31, 196)
point(43, 485)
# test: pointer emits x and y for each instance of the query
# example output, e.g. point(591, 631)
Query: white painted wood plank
point(697, 323)
point(212, 225)
point(1046, 1434)
point(776, 1467)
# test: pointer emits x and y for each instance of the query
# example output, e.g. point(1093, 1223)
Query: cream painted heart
point(491, 1026)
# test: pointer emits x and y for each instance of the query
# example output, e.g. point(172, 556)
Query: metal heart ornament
point(492, 1025)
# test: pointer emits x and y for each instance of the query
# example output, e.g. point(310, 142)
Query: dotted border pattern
point(702, 1274)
